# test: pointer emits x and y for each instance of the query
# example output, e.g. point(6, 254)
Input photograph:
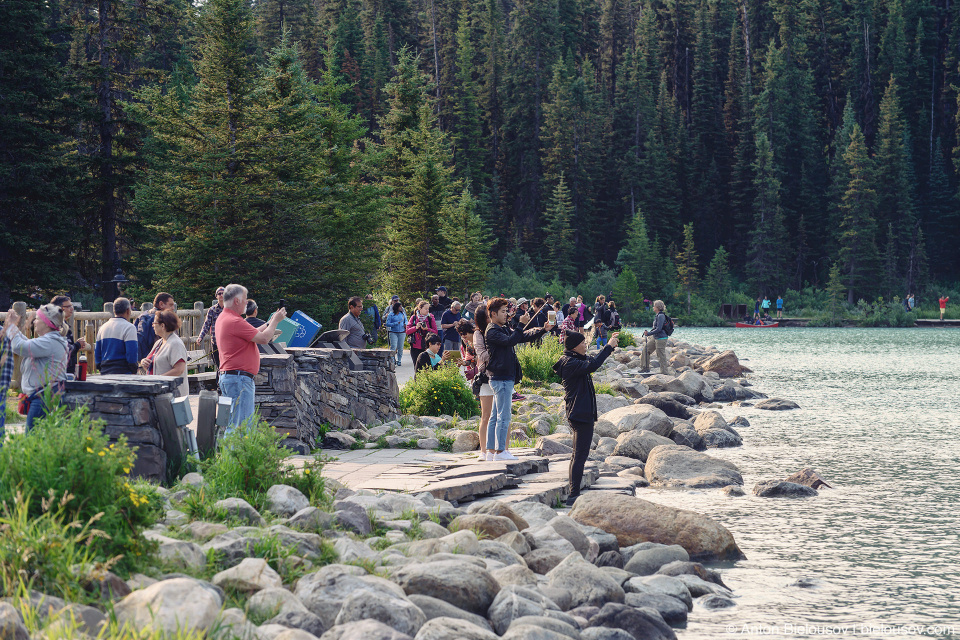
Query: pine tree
point(835, 289)
point(858, 249)
point(688, 272)
point(716, 284)
point(942, 215)
point(627, 293)
point(640, 254)
point(768, 240)
point(559, 244)
point(463, 257)
point(466, 138)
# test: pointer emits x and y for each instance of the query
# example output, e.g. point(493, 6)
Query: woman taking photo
point(169, 355)
point(397, 329)
point(419, 327)
point(43, 365)
point(481, 383)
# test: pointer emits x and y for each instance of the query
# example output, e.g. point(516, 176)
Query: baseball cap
point(220, 290)
point(520, 301)
point(441, 288)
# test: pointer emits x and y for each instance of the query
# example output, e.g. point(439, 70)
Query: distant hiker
point(117, 349)
point(448, 324)
point(420, 325)
point(397, 330)
point(574, 369)
point(600, 318)
point(660, 339)
point(481, 382)
point(210, 324)
point(76, 346)
point(943, 306)
point(351, 322)
point(765, 305)
point(779, 307)
point(374, 312)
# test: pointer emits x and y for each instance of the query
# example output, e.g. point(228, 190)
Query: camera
point(369, 338)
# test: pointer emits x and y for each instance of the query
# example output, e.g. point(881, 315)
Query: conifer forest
point(317, 149)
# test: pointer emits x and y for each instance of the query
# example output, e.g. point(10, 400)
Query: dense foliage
point(442, 391)
point(318, 149)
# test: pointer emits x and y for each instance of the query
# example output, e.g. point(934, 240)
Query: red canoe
point(745, 325)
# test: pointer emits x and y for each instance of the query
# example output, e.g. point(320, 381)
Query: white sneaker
point(489, 456)
point(505, 455)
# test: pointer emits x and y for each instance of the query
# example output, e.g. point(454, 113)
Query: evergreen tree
point(835, 291)
point(627, 293)
point(640, 254)
point(688, 272)
point(466, 138)
point(942, 215)
point(559, 244)
point(716, 284)
point(858, 249)
point(768, 240)
point(463, 257)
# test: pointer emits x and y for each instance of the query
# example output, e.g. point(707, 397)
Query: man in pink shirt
point(237, 341)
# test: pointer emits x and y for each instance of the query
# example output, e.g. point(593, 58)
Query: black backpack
point(667, 325)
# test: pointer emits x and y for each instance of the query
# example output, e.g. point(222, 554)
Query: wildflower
point(307, 471)
point(89, 450)
point(100, 454)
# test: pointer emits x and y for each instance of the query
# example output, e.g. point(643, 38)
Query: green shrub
point(537, 361)
point(627, 339)
point(443, 391)
point(250, 460)
point(67, 453)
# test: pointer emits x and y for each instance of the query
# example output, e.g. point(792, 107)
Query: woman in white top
point(485, 394)
point(43, 364)
point(169, 355)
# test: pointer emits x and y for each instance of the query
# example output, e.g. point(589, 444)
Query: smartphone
point(552, 317)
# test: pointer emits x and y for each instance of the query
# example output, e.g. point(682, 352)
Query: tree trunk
point(108, 202)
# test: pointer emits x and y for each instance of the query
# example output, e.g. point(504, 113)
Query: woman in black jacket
point(574, 369)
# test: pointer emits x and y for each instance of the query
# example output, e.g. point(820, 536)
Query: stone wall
point(298, 392)
point(127, 404)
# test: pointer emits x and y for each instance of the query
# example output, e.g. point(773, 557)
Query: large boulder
point(251, 575)
point(324, 592)
point(240, 508)
point(284, 500)
point(397, 613)
point(666, 404)
point(607, 403)
point(180, 554)
point(359, 630)
point(642, 624)
point(516, 602)
point(776, 404)
point(808, 477)
point(633, 521)
point(648, 560)
point(436, 608)
point(639, 444)
point(497, 508)
point(587, 584)
point(461, 584)
point(692, 384)
point(715, 431)
point(171, 606)
point(726, 365)
point(684, 434)
point(454, 629)
point(639, 416)
point(11, 623)
point(464, 440)
point(490, 525)
point(679, 466)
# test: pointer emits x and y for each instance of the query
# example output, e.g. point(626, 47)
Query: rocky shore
point(369, 566)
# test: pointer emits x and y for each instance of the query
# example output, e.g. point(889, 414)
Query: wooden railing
point(86, 324)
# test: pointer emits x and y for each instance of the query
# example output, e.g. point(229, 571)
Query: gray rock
point(809, 478)
point(684, 434)
point(516, 542)
point(551, 624)
point(181, 604)
point(544, 560)
point(428, 443)
point(352, 517)
point(510, 605)
point(732, 490)
point(515, 574)
point(571, 532)
point(531, 632)
point(465, 441)
point(610, 559)
point(11, 623)
point(454, 629)
point(350, 550)
point(666, 404)
point(284, 500)
point(715, 602)
point(499, 552)
point(550, 447)
point(680, 568)
point(546, 537)
point(436, 608)
point(230, 548)
point(642, 624)
point(605, 541)
point(205, 530)
point(398, 613)
point(586, 583)
point(699, 587)
point(639, 444)
point(776, 404)
point(251, 575)
point(667, 585)
point(269, 602)
point(536, 514)
point(363, 630)
point(463, 585)
point(648, 561)
point(180, 554)
point(323, 592)
point(497, 508)
point(338, 440)
point(639, 416)
point(239, 508)
point(721, 438)
point(485, 523)
point(311, 519)
point(678, 466)
point(782, 489)
point(303, 620)
point(672, 610)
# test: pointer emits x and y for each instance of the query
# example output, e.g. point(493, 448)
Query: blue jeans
point(241, 389)
point(38, 407)
point(396, 344)
point(498, 430)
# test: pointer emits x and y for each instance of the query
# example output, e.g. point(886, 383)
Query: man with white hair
point(237, 341)
point(448, 324)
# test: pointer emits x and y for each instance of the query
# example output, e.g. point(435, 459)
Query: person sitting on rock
point(575, 369)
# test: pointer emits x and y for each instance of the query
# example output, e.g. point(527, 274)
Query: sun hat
point(520, 301)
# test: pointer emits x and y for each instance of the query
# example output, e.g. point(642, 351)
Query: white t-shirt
point(169, 354)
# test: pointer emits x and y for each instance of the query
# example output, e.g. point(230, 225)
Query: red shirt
point(235, 342)
point(943, 303)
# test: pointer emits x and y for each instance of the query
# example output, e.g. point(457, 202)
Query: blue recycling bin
point(307, 331)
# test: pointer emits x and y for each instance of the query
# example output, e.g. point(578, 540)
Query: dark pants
point(582, 439)
point(414, 354)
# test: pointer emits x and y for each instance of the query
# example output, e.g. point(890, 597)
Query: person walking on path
point(943, 306)
point(779, 307)
point(210, 325)
point(503, 369)
point(420, 325)
point(43, 364)
point(239, 355)
point(481, 381)
point(117, 348)
point(397, 330)
point(430, 357)
point(574, 369)
point(146, 337)
point(76, 346)
point(351, 322)
point(448, 324)
point(659, 340)
point(169, 356)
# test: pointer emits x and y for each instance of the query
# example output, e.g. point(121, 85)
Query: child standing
point(574, 369)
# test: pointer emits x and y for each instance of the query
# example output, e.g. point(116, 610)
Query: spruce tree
point(858, 249)
point(640, 254)
point(463, 257)
point(627, 293)
point(466, 137)
point(768, 240)
point(560, 250)
point(688, 271)
point(716, 285)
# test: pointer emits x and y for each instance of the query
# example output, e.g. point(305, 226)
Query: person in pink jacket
point(420, 325)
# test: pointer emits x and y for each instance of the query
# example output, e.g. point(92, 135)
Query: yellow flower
point(100, 454)
point(306, 471)
point(126, 469)
point(89, 450)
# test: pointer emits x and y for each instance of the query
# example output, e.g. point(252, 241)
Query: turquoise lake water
point(879, 420)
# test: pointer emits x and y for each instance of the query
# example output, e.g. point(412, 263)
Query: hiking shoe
point(571, 499)
point(517, 396)
point(504, 455)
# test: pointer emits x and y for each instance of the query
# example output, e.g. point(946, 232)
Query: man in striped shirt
point(210, 325)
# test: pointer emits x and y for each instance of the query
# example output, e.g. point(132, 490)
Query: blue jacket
point(146, 336)
point(397, 322)
point(117, 346)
